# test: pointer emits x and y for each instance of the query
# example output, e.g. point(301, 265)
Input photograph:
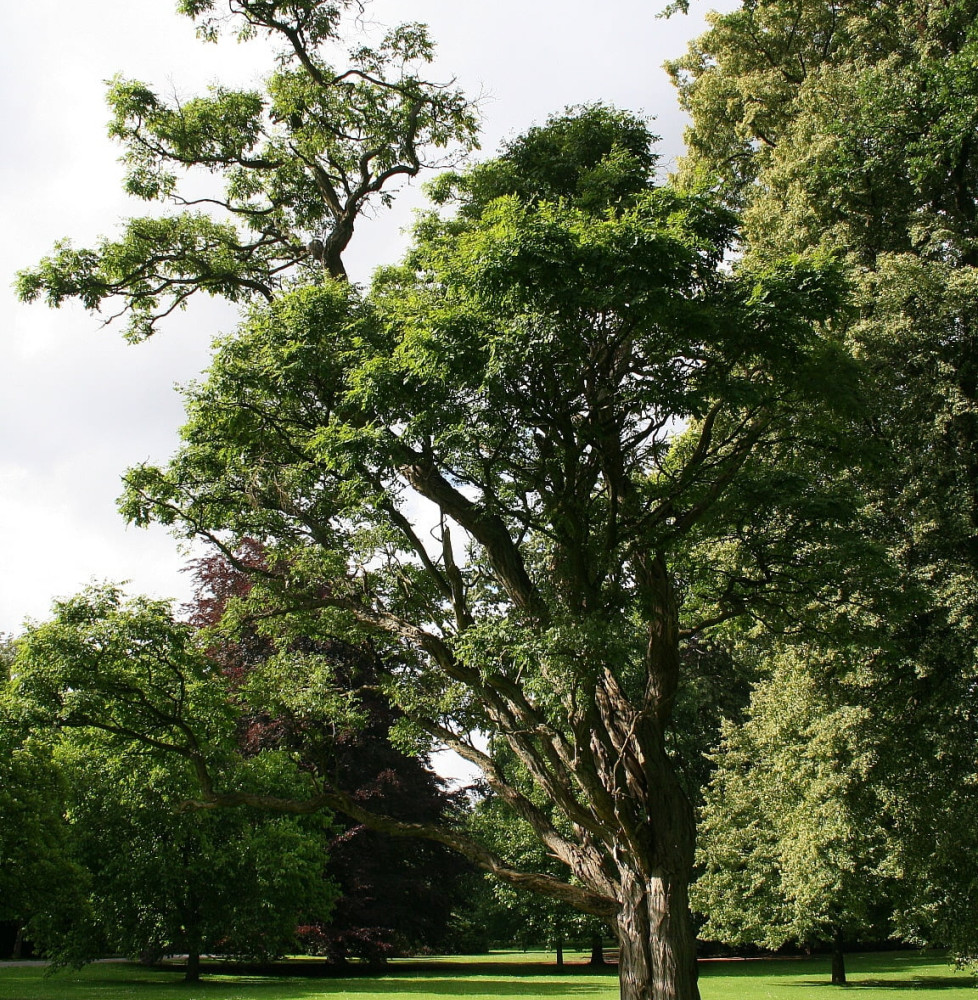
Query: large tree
point(853, 125)
point(501, 464)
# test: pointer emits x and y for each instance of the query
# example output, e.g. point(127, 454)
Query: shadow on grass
point(403, 969)
point(463, 987)
point(406, 979)
point(930, 983)
point(388, 986)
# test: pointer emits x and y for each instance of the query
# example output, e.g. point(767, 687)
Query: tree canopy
point(300, 162)
point(531, 463)
point(852, 126)
point(123, 701)
point(792, 849)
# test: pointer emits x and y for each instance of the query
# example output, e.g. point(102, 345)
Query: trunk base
point(838, 964)
point(597, 951)
point(192, 975)
point(657, 950)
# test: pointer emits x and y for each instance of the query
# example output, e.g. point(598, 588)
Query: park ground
point(875, 976)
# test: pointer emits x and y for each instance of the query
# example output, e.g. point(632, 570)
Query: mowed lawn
point(881, 976)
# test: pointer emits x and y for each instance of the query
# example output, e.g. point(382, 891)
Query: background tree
point(166, 880)
point(853, 126)
point(395, 894)
point(791, 846)
point(160, 878)
point(512, 918)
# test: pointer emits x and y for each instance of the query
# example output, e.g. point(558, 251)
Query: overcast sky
point(78, 405)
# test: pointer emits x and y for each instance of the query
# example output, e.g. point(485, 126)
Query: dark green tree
point(122, 685)
point(395, 894)
point(37, 866)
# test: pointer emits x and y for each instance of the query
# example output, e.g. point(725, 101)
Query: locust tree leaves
point(295, 165)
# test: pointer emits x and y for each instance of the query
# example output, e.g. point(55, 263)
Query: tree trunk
point(192, 975)
point(560, 953)
point(18, 945)
point(838, 961)
point(597, 950)
point(657, 950)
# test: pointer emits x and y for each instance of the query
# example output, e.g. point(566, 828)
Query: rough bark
point(657, 950)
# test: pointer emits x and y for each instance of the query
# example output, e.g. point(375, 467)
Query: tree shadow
point(395, 986)
point(921, 983)
point(461, 987)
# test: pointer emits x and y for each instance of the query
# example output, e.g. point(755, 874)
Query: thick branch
point(586, 865)
point(577, 896)
point(486, 528)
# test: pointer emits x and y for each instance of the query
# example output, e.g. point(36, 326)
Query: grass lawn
point(881, 976)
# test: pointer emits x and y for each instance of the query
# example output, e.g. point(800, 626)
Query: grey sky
point(79, 405)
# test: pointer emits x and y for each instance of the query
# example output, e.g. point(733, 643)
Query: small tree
point(161, 877)
point(790, 845)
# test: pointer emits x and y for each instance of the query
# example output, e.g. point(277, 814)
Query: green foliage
point(165, 878)
point(124, 666)
point(852, 127)
point(136, 713)
point(594, 157)
point(37, 869)
point(493, 341)
point(512, 918)
point(790, 843)
point(299, 161)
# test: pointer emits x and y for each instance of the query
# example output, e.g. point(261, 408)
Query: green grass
point(877, 976)
point(882, 976)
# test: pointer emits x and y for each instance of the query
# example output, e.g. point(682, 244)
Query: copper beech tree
point(522, 462)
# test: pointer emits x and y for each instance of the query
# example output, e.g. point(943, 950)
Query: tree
point(230, 882)
point(159, 878)
point(37, 869)
point(791, 847)
point(395, 894)
point(853, 125)
point(498, 465)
